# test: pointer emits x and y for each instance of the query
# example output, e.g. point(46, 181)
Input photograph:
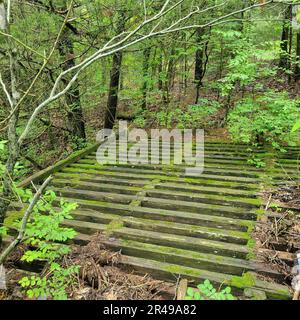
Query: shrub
point(268, 118)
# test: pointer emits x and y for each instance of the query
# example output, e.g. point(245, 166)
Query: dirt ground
point(278, 233)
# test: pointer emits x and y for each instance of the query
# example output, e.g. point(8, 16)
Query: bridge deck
point(170, 225)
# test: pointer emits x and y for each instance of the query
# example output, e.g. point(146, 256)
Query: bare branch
point(112, 47)
point(24, 221)
point(9, 98)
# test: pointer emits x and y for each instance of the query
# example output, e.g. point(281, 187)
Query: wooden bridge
point(171, 225)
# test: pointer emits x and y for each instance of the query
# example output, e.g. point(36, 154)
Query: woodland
point(69, 68)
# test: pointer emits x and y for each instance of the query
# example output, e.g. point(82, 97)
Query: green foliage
point(45, 234)
point(248, 64)
point(78, 143)
point(206, 291)
point(296, 126)
point(3, 153)
point(3, 231)
point(257, 162)
point(54, 286)
point(194, 116)
point(269, 117)
point(140, 121)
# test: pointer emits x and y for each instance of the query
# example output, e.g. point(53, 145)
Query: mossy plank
point(202, 180)
point(166, 215)
point(173, 186)
point(170, 272)
point(173, 170)
point(75, 156)
point(177, 241)
point(201, 208)
point(181, 257)
point(223, 235)
point(155, 173)
point(204, 198)
point(94, 195)
point(92, 186)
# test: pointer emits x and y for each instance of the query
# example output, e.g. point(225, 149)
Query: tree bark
point(297, 68)
point(167, 84)
point(199, 69)
point(113, 94)
point(12, 137)
point(284, 62)
point(146, 54)
point(75, 120)
point(160, 70)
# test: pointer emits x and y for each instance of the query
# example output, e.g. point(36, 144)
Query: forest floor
point(101, 277)
point(279, 231)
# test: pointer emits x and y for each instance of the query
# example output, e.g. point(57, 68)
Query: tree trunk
point(75, 121)
point(284, 62)
point(185, 63)
point(12, 137)
point(113, 94)
point(297, 68)
point(160, 70)
point(146, 54)
point(168, 81)
point(199, 69)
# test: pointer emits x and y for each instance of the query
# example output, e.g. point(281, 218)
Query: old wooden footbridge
point(171, 225)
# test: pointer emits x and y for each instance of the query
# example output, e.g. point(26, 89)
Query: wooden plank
point(166, 215)
point(224, 235)
point(40, 175)
point(224, 175)
point(203, 180)
point(177, 241)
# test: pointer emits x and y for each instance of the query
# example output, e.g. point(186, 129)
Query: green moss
point(239, 234)
point(255, 294)
point(260, 213)
point(247, 280)
point(251, 256)
point(114, 225)
point(181, 270)
point(251, 243)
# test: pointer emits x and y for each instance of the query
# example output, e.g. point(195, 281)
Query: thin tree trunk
point(146, 55)
point(169, 78)
point(297, 68)
point(160, 70)
point(12, 137)
point(284, 45)
point(199, 62)
point(75, 121)
point(113, 94)
point(185, 68)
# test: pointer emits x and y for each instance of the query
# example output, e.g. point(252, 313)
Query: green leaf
point(227, 290)
point(197, 296)
point(190, 292)
point(296, 126)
